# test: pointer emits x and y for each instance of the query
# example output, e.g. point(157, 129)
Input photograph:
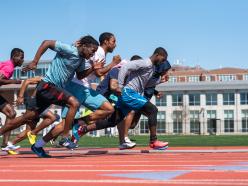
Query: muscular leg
point(103, 112)
point(10, 113)
point(48, 119)
point(73, 105)
point(18, 121)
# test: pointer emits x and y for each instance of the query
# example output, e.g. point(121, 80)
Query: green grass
point(174, 140)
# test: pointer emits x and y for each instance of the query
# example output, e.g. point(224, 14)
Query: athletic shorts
point(130, 100)
point(87, 97)
point(3, 102)
point(47, 94)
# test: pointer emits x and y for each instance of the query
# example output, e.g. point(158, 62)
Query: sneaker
point(52, 142)
point(31, 138)
point(158, 144)
point(39, 151)
point(66, 142)
point(10, 146)
point(161, 148)
point(128, 144)
point(12, 152)
point(77, 132)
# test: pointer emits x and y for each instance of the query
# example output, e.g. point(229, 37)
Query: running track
point(101, 167)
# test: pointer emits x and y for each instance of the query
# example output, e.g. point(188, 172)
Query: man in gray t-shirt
point(133, 78)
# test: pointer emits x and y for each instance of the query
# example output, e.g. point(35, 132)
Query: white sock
point(40, 143)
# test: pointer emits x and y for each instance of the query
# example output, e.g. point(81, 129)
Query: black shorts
point(48, 94)
point(3, 102)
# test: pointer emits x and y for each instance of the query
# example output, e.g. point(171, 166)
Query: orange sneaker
point(158, 144)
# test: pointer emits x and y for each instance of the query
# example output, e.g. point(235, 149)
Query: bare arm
point(4, 81)
point(102, 71)
point(95, 66)
point(114, 86)
point(24, 86)
point(41, 50)
point(27, 82)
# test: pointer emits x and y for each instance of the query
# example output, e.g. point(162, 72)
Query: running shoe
point(10, 146)
point(127, 144)
point(31, 138)
point(12, 152)
point(158, 144)
point(66, 142)
point(39, 151)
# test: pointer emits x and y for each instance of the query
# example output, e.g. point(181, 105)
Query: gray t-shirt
point(138, 73)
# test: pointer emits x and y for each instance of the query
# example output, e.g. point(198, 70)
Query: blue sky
point(209, 33)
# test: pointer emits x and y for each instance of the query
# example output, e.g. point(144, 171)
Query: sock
point(153, 138)
point(40, 143)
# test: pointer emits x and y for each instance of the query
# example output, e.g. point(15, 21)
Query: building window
point(161, 101)
point(211, 99)
point(244, 98)
point(177, 122)
point(211, 121)
point(161, 127)
point(226, 77)
point(244, 116)
point(228, 99)
point(177, 99)
point(193, 78)
point(194, 99)
point(208, 78)
point(194, 122)
point(228, 120)
point(172, 79)
point(245, 77)
point(144, 125)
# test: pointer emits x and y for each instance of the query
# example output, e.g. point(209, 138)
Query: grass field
point(174, 141)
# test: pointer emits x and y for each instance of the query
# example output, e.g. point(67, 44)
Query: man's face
point(18, 59)
point(160, 59)
point(111, 44)
point(87, 51)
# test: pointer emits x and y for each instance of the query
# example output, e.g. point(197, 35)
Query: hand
point(159, 95)
point(118, 91)
point(98, 64)
point(18, 81)
point(77, 43)
point(116, 59)
point(30, 66)
point(164, 78)
point(19, 101)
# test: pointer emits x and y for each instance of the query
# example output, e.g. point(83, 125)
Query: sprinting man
point(138, 73)
point(6, 71)
point(68, 61)
point(83, 89)
point(48, 117)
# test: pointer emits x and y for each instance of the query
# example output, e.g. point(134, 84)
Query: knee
point(73, 102)
point(52, 118)
point(12, 114)
point(108, 108)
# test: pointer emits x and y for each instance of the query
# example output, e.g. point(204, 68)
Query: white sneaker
point(128, 144)
point(10, 146)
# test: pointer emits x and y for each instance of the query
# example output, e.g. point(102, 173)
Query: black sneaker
point(40, 152)
point(66, 142)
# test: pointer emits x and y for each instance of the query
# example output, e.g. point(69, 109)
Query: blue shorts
point(130, 100)
point(86, 97)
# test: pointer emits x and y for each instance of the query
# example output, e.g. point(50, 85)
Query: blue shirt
point(104, 86)
point(64, 65)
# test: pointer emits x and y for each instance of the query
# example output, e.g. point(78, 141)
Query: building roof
point(204, 86)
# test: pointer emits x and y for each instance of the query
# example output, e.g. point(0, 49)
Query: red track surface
point(202, 169)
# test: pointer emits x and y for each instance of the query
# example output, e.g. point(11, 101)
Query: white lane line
point(113, 181)
point(115, 170)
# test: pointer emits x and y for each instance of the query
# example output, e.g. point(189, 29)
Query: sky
point(209, 33)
